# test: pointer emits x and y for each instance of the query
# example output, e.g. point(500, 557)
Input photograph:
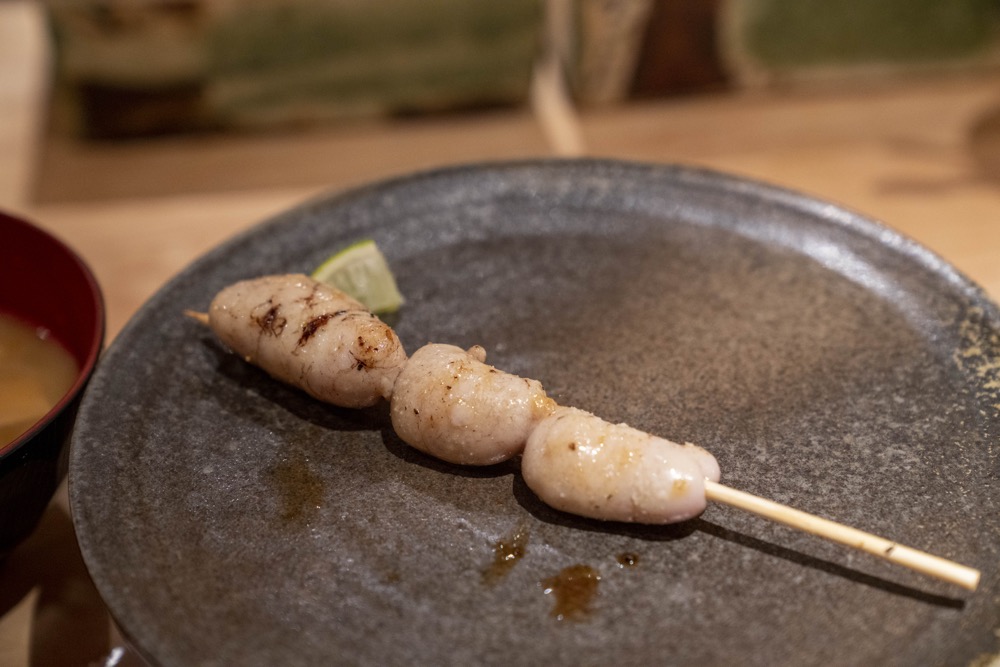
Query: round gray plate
point(827, 362)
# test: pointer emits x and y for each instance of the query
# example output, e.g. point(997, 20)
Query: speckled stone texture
point(826, 361)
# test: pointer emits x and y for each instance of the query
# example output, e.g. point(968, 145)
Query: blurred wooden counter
point(923, 158)
point(920, 156)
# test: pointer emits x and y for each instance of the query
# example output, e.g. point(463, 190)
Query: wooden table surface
point(920, 156)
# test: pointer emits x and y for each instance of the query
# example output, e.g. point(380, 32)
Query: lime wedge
point(361, 271)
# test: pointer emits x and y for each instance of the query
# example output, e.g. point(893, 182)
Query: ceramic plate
point(826, 361)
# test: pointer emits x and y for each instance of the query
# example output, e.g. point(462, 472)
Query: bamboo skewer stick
point(899, 554)
point(919, 561)
point(195, 315)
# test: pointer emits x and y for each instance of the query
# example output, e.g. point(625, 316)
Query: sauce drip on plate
point(574, 589)
point(507, 551)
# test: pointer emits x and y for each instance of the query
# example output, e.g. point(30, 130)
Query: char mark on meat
point(270, 322)
point(310, 328)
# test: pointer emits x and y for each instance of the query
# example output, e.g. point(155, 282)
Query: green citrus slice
point(361, 271)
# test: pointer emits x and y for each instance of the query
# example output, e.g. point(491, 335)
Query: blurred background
point(145, 132)
point(122, 73)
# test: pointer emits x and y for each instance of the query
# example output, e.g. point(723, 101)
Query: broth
point(35, 372)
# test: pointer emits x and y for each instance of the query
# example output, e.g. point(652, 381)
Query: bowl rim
point(96, 337)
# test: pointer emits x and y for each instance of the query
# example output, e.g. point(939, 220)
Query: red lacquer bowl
point(44, 283)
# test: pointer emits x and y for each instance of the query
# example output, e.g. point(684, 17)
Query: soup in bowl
point(51, 334)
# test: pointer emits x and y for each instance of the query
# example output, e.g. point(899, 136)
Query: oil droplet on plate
point(506, 553)
point(299, 488)
point(627, 559)
point(574, 589)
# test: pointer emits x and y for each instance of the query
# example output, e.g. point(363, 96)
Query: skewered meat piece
point(579, 463)
point(310, 335)
point(450, 404)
